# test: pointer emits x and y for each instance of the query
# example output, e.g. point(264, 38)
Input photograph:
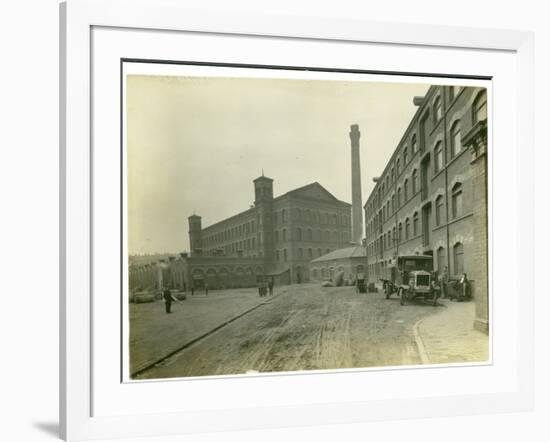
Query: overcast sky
point(195, 145)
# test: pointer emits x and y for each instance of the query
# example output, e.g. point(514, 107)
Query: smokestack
point(356, 200)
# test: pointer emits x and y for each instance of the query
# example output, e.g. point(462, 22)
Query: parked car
point(412, 277)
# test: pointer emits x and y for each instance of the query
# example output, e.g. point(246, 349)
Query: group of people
point(460, 288)
point(264, 287)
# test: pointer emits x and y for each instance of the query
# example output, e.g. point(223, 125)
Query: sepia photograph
point(280, 221)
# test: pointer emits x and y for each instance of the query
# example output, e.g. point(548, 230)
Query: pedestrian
point(206, 288)
point(443, 281)
point(464, 287)
point(270, 286)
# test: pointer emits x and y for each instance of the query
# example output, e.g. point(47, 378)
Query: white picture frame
point(81, 412)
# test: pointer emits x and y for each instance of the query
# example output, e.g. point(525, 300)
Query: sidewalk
point(449, 337)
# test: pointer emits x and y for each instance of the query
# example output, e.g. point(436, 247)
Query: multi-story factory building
point(424, 200)
point(282, 233)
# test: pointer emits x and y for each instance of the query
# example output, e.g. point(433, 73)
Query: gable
point(314, 191)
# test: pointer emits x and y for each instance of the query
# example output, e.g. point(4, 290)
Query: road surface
point(305, 328)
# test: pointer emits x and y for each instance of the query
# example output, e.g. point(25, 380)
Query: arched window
point(388, 182)
point(299, 234)
point(400, 233)
point(398, 166)
point(479, 108)
point(405, 156)
point(285, 257)
point(415, 224)
point(394, 237)
point(458, 255)
point(438, 111)
point(414, 181)
point(398, 197)
point(414, 146)
point(406, 190)
point(438, 210)
point(392, 175)
point(393, 203)
point(407, 228)
point(438, 157)
point(457, 200)
point(309, 235)
point(284, 234)
point(456, 144)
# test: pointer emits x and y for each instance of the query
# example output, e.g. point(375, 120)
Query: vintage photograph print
point(292, 221)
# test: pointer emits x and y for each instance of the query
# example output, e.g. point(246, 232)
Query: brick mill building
point(280, 235)
point(431, 197)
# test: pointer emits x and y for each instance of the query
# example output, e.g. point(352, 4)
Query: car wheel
point(402, 296)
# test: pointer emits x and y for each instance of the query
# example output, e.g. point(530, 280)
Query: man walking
point(270, 286)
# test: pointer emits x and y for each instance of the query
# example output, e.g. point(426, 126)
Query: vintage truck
point(412, 277)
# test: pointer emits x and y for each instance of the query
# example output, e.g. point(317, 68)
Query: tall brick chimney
point(356, 199)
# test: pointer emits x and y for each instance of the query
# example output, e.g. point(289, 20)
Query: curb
point(151, 365)
point(424, 358)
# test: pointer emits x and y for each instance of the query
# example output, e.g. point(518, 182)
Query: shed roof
point(348, 252)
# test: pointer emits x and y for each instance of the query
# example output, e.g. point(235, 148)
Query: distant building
point(283, 234)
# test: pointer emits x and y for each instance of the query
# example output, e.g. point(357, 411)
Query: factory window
point(299, 234)
point(438, 112)
point(405, 156)
point(388, 182)
point(284, 255)
point(309, 235)
point(479, 108)
point(278, 254)
point(399, 197)
point(438, 210)
point(284, 234)
point(415, 224)
point(456, 144)
point(253, 243)
point(300, 253)
point(400, 233)
point(414, 146)
point(438, 157)
point(407, 228)
point(458, 254)
point(310, 253)
point(308, 215)
point(276, 235)
point(394, 237)
point(392, 175)
point(393, 203)
point(398, 166)
point(414, 181)
point(406, 190)
point(457, 200)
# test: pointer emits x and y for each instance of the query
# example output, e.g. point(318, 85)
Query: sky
point(195, 144)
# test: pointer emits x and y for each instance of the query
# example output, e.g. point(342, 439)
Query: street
point(304, 327)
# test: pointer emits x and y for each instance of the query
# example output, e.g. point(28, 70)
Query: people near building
point(443, 281)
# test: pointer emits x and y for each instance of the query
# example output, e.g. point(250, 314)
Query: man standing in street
point(443, 281)
point(168, 298)
point(270, 286)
